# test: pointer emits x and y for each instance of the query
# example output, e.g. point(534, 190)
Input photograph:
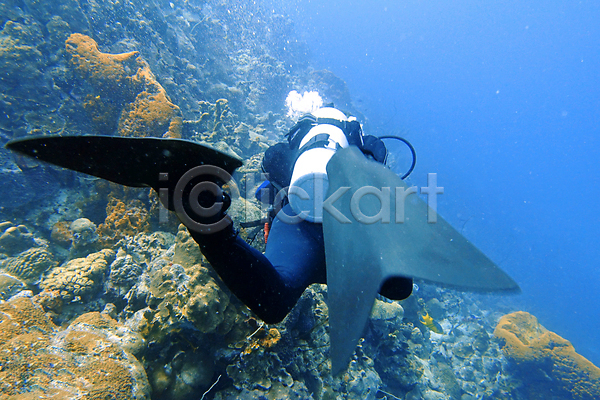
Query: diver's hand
point(204, 210)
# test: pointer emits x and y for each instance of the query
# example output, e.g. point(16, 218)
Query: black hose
point(412, 150)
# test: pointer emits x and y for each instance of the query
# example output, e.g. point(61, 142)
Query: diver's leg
point(248, 274)
point(270, 286)
point(297, 252)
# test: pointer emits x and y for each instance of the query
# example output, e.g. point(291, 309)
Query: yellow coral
point(38, 361)
point(30, 264)
point(144, 108)
point(542, 352)
point(80, 277)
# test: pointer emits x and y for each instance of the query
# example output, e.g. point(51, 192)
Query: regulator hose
point(412, 150)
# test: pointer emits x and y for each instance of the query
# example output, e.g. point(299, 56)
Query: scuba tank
point(309, 183)
point(298, 168)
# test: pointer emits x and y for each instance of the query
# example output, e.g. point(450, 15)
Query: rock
point(15, 239)
point(9, 286)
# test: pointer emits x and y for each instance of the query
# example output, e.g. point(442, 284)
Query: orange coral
point(127, 95)
point(262, 339)
point(151, 114)
point(544, 354)
point(109, 74)
point(123, 220)
point(40, 360)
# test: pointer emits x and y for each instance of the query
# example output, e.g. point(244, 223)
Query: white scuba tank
point(309, 183)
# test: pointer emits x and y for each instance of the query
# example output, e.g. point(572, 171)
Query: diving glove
point(203, 209)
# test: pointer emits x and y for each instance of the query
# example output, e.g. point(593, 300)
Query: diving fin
point(155, 162)
point(362, 253)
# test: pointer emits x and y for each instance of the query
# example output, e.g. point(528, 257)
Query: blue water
point(502, 101)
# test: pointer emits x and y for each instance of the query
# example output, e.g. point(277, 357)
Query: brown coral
point(40, 361)
point(127, 96)
point(262, 339)
point(543, 354)
point(61, 233)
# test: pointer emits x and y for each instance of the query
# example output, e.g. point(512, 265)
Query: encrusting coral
point(61, 233)
point(550, 365)
point(123, 220)
point(127, 97)
point(89, 359)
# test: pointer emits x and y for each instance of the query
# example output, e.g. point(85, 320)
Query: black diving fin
point(362, 255)
point(154, 162)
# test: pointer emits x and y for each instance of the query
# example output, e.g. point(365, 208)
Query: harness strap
point(351, 129)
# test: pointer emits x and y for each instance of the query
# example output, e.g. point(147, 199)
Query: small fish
point(431, 324)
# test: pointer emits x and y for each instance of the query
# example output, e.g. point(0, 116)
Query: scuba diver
point(271, 284)
point(340, 217)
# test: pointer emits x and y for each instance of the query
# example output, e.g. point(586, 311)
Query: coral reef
point(123, 220)
point(89, 359)
point(189, 291)
point(228, 68)
point(80, 278)
point(549, 364)
point(126, 96)
point(216, 124)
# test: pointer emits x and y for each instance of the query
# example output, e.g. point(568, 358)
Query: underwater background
point(102, 296)
point(502, 100)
